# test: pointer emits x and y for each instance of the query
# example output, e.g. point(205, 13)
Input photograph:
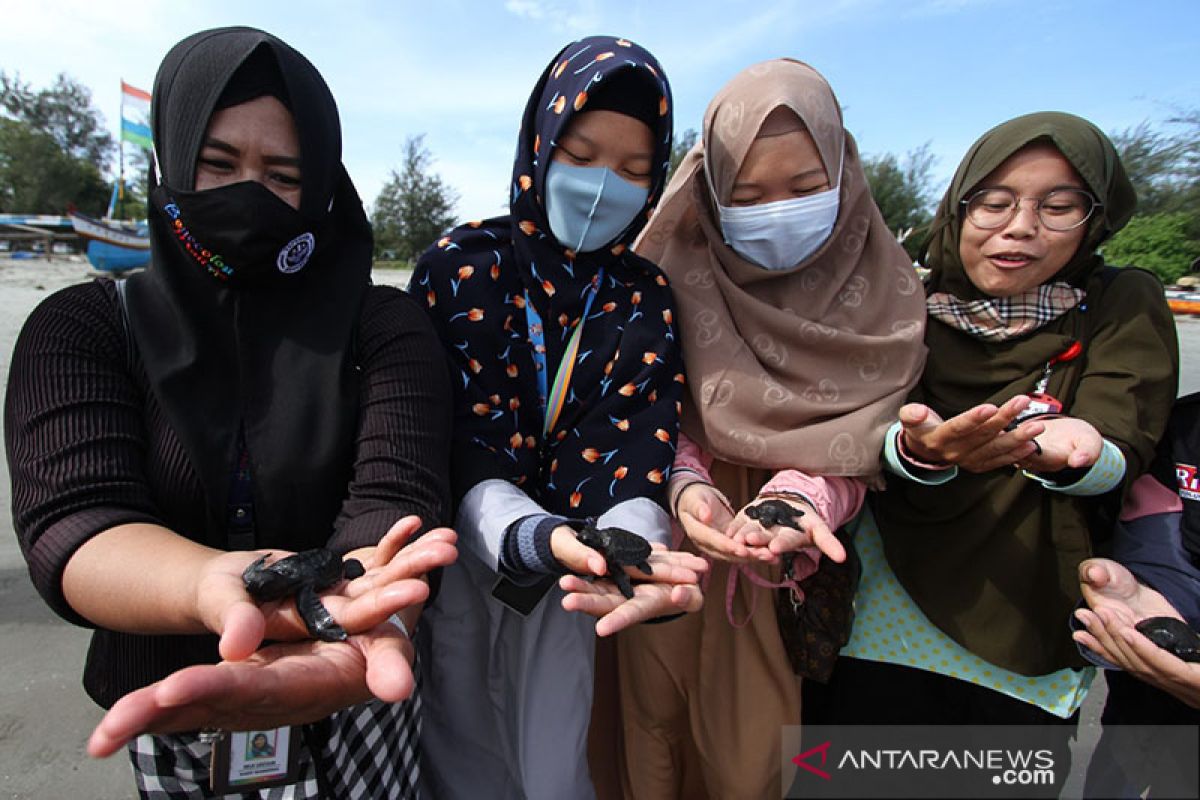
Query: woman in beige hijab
point(802, 323)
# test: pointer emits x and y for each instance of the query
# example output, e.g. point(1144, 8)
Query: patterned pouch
point(815, 627)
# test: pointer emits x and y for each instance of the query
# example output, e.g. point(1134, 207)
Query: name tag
point(252, 760)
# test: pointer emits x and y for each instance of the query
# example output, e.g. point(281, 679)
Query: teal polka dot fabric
point(889, 627)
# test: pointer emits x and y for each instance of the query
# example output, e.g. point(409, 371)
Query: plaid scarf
point(1001, 318)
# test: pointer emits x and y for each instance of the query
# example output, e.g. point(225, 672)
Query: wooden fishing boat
point(113, 246)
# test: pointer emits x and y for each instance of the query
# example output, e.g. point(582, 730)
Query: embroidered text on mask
point(780, 235)
point(588, 207)
point(238, 232)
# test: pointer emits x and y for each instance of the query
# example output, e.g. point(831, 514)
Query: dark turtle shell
point(303, 574)
point(620, 548)
point(770, 513)
point(1172, 635)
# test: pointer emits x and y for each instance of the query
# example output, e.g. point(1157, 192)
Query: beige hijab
point(803, 368)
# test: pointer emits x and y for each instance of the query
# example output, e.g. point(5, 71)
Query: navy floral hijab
point(615, 437)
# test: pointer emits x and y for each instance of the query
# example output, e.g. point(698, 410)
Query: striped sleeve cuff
point(1104, 475)
point(525, 552)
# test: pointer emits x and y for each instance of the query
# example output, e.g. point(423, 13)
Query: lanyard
point(1070, 354)
point(552, 401)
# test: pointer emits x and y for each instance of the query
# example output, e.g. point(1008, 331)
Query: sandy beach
point(45, 717)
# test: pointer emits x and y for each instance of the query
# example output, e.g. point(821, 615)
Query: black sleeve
point(402, 459)
point(74, 432)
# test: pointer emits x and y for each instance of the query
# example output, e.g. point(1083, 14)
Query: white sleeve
point(642, 516)
point(485, 513)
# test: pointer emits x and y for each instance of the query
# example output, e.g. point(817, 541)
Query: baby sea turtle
point(620, 548)
point(770, 513)
point(1172, 635)
point(303, 574)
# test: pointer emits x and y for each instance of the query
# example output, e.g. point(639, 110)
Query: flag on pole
point(135, 115)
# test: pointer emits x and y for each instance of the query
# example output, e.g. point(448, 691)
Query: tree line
point(55, 153)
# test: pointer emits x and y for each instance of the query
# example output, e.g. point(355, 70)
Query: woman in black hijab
point(250, 393)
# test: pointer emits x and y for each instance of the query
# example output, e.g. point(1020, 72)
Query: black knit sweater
point(89, 448)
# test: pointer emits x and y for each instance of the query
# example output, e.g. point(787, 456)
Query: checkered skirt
point(372, 751)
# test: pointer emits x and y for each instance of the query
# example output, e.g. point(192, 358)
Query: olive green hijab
point(991, 558)
point(1088, 150)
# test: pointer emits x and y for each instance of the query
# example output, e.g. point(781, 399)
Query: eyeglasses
point(1059, 210)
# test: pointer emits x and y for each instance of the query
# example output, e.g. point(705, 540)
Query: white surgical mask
point(588, 207)
point(782, 234)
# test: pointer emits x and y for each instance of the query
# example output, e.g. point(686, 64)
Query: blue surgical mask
point(588, 207)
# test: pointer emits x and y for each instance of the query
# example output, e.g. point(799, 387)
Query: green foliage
point(414, 208)
point(37, 177)
point(679, 148)
point(1160, 243)
point(64, 112)
point(904, 193)
point(1164, 166)
point(53, 148)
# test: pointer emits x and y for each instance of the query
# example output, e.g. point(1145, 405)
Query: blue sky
point(459, 71)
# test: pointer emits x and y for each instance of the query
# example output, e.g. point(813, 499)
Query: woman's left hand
point(768, 544)
point(1066, 442)
point(671, 588)
point(281, 684)
point(393, 581)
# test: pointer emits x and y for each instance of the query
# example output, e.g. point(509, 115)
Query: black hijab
point(253, 348)
point(615, 436)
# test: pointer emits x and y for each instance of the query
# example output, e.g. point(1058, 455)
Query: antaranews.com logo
point(927, 761)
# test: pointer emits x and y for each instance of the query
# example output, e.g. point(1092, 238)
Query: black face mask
point(241, 234)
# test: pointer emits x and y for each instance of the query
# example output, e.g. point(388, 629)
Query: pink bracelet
point(907, 456)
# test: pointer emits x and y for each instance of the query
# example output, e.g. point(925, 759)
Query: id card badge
point(1040, 404)
point(246, 761)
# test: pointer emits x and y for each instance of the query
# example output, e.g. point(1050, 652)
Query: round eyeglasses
point(1059, 210)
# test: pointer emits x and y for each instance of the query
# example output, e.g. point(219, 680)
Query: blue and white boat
point(113, 246)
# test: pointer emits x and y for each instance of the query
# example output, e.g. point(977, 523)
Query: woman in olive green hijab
point(1048, 382)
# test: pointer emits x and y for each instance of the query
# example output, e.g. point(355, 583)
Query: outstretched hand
point(390, 583)
point(705, 519)
point(671, 588)
point(1117, 602)
point(1066, 442)
point(282, 684)
point(975, 440)
point(295, 680)
point(768, 544)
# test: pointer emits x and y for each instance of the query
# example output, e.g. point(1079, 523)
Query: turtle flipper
point(621, 579)
point(317, 618)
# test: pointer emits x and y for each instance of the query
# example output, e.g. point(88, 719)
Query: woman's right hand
point(706, 519)
point(975, 440)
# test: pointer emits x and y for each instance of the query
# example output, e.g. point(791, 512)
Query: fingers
point(712, 542)
point(816, 534)
point(395, 539)
point(389, 657)
point(1096, 573)
point(669, 566)
point(1096, 637)
point(242, 629)
point(365, 612)
point(617, 612)
point(435, 549)
point(914, 414)
point(574, 554)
